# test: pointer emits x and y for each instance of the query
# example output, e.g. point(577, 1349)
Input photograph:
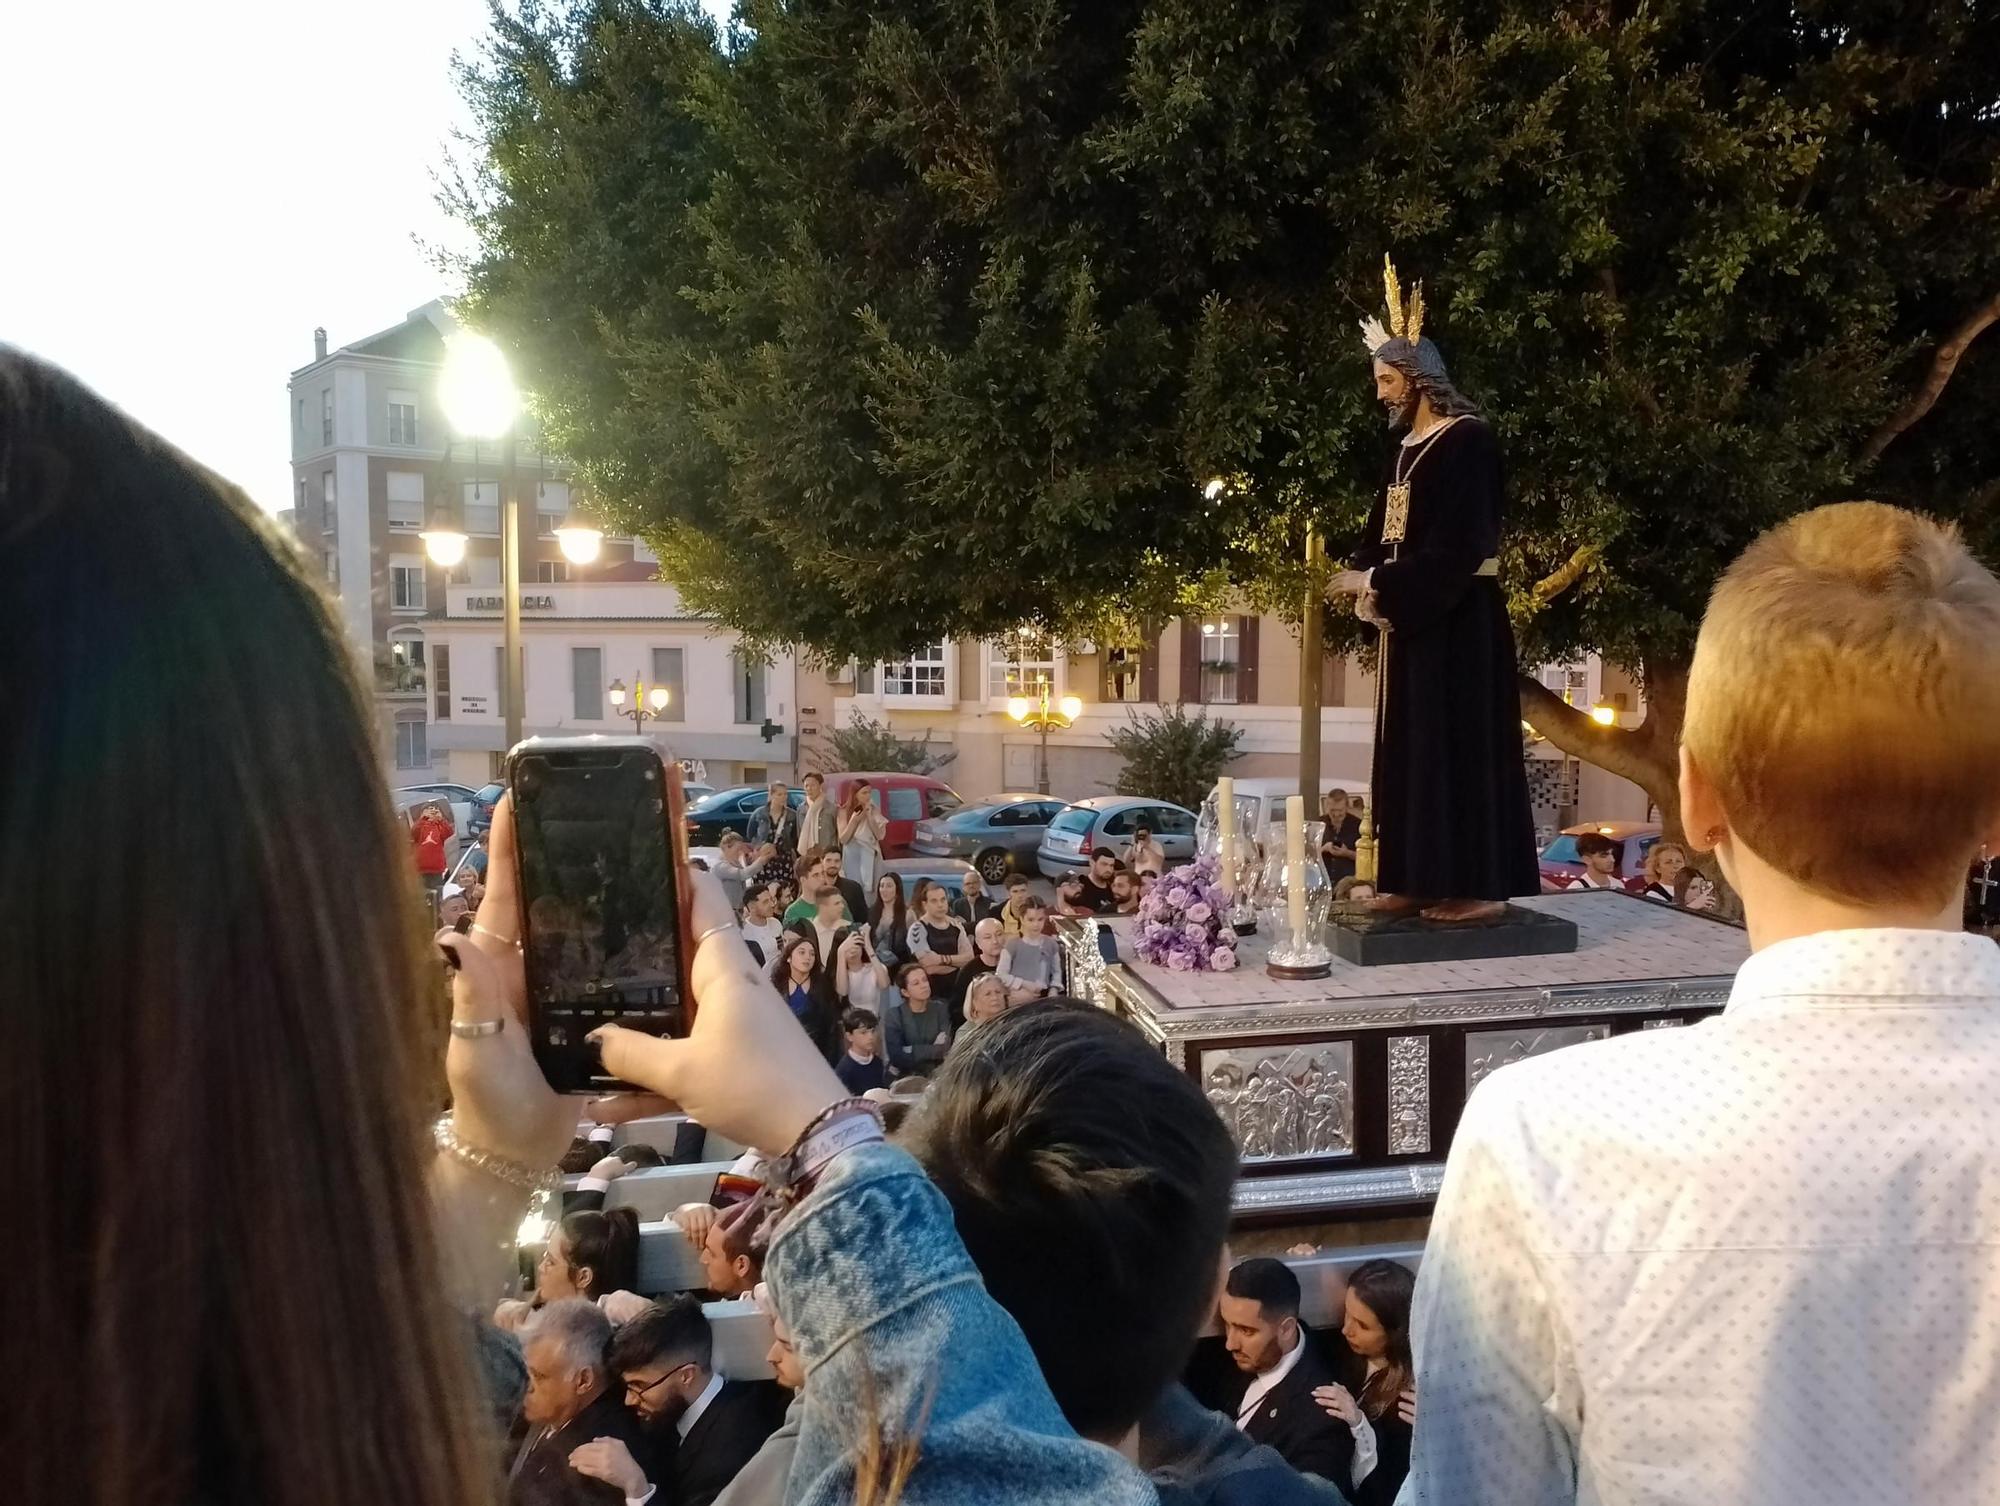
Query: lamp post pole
point(510, 592)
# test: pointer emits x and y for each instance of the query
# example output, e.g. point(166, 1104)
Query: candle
point(1225, 828)
point(1295, 865)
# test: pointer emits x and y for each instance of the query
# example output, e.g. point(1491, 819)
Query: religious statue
point(1452, 832)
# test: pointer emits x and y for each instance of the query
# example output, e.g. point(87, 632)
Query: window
point(1121, 675)
point(299, 421)
point(920, 675)
point(864, 679)
point(1020, 665)
point(903, 803)
point(412, 743)
point(326, 415)
point(406, 586)
point(755, 773)
point(551, 572)
point(748, 677)
point(1570, 681)
point(441, 682)
point(406, 499)
point(482, 508)
point(1168, 822)
point(940, 802)
point(1076, 819)
point(1221, 660)
point(333, 569)
point(551, 506)
point(327, 499)
point(402, 418)
point(586, 670)
point(670, 670)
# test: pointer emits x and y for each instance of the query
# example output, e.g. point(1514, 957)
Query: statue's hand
point(1348, 583)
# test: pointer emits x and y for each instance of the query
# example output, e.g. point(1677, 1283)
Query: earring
point(1715, 835)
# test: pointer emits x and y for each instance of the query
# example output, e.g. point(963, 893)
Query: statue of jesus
point(1452, 824)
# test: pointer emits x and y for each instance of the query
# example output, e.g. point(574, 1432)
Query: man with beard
point(1452, 823)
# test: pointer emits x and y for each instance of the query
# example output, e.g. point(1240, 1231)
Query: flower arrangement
point(1181, 923)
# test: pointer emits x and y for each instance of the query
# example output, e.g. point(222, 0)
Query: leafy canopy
point(893, 320)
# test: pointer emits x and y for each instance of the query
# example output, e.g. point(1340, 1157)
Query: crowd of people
point(1753, 1259)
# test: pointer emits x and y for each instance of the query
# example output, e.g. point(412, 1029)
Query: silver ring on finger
point(474, 1030)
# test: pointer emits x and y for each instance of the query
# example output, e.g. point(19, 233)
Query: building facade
point(372, 455)
point(1238, 667)
point(729, 716)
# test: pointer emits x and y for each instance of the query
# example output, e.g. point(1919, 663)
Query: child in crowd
point(1031, 963)
point(861, 1066)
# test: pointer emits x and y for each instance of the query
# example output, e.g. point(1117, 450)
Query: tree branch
point(1571, 571)
point(1944, 361)
point(1630, 755)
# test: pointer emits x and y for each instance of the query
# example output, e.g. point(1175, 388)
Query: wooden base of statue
point(1366, 939)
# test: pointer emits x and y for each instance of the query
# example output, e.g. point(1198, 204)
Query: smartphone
point(600, 839)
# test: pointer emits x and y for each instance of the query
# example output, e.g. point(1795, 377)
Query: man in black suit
point(572, 1403)
point(1283, 1363)
point(665, 1357)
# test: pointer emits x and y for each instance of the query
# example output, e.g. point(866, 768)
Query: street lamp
point(579, 534)
point(481, 401)
point(1042, 712)
point(647, 705)
point(1604, 715)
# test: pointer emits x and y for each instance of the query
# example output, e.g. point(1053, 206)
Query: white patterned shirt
point(1750, 1262)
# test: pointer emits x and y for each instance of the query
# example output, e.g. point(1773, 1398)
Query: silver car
point(1109, 821)
point(995, 835)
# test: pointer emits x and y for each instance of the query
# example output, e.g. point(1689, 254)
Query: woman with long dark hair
point(235, 1048)
point(1376, 1325)
point(800, 977)
point(889, 918)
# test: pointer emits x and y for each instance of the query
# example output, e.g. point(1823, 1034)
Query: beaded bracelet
point(500, 1168)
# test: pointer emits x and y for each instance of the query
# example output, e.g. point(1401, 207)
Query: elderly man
point(572, 1404)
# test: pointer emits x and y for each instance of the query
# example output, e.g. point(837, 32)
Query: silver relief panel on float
point(1409, 1095)
point(1488, 1050)
point(1284, 1103)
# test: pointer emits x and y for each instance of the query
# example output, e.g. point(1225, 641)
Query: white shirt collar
point(684, 1424)
point(1266, 1383)
point(1832, 969)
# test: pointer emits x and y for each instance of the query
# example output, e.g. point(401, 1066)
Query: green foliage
point(1172, 755)
point(867, 744)
point(886, 321)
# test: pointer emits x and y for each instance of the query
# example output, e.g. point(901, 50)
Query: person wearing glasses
point(665, 1359)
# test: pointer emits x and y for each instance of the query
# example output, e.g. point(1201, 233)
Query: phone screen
point(599, 903)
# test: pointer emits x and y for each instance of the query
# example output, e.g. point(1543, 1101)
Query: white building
point(729, 714)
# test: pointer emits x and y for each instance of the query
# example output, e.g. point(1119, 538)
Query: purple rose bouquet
point(1181, 925)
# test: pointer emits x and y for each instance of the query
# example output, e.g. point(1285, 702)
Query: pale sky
point(187, 190)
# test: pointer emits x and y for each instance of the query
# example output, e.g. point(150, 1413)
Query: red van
point(905, 799)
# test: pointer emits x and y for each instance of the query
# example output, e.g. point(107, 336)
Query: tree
point(1173, 756)
point(864, 297)
point(865, 743)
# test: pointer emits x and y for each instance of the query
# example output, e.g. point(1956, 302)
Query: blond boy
point(1758, 1259)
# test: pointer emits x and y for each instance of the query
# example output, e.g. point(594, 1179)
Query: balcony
point(394, 675)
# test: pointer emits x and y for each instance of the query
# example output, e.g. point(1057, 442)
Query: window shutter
point(1332, 678)
point(1246, 653)
point(1149, 671)
point(1190, 661)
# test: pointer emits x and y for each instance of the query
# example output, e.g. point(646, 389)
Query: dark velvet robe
point(1452, 818)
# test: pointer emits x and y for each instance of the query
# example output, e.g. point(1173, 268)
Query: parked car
point(483, 800)
point(1270, 795)
point(693, 793)
point(1108, 820)
point(997, 834)
point(947, 871)
point(905, 799)
point(1559, 862)
point(729, 810)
